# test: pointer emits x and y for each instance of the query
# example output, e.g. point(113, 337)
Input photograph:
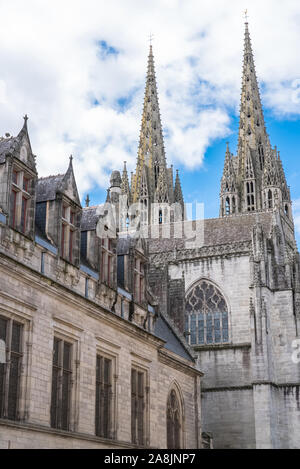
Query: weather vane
point(246, 15)
point(151, 36)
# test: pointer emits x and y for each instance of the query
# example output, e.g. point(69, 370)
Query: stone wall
point(47, 308)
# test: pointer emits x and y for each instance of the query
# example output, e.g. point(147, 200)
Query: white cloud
point(51, 69)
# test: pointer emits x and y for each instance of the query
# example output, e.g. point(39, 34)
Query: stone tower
point(152, 182)
point(254, 179)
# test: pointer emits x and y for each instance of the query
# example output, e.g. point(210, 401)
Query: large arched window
point(174, 421)
point(206, 315)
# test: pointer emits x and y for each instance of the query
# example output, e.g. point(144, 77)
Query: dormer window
point(107, 262)
point(139, 280)
point(20, 198)
point(67, 232)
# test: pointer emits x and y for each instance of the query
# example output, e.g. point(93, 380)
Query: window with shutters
point(11, 334)
point(104, 397)
point(138, 407)
point(174, 421)
point(61, 384)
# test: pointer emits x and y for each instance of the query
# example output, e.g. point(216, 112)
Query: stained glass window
point(206, 315)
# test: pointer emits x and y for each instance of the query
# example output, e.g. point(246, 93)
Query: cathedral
point(126, 325)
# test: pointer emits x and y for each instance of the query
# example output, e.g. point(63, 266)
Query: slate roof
point(164, 331)
point(7, 146)
point(47, 187)
point(218, 231)
point(89, 218)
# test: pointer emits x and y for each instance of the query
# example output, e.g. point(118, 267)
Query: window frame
point(73, 391)
point(112, 431)
point(107, 262)
point(181, 443)
point(204, 316)
point(68, 231)
point(21, 196)
point(6, 392)
point(139, 279)
point(135, 402)
point(23, 396)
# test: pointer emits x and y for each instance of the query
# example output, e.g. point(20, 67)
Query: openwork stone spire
point(153, 180)
point(252, 131)
point(253, 180)
point(151, 152)
point(125, 184)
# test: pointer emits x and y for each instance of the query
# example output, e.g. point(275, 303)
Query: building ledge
point(65, 434)
point(213, 347)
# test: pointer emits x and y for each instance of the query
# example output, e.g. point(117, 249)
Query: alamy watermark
point(159, 221)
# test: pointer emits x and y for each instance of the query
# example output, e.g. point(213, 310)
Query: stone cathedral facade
point(236, 295)
point(144, 329)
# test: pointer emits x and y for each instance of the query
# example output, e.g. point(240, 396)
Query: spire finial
point(87, 201)
point(25, 118)
point(71, 158)
point(151, 37)
point(246, 16)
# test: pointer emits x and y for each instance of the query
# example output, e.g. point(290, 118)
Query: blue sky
point(80, 77)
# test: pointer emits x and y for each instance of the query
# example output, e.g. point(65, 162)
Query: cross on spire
point(246, 15)
point(151, 37)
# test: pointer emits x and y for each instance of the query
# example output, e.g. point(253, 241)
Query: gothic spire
point(228, 182)
point(178, 197)
point(252, 131)
point(125, 184)
point(151, 152)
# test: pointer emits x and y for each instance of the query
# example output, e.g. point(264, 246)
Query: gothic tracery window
point(227, 206)
point(174, 421)
point(270, 199)
point(250, 196)
point(206, 315)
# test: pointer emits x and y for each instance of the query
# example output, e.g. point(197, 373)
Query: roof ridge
point(51, 176)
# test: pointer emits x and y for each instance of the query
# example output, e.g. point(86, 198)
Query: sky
point(77, 68)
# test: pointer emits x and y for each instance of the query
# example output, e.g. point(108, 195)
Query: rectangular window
point(138, 405)
point(71, 245)
point(20, 200)
point(72, 217)
point(61, 384)
point(23, 214)
point(107, 258)
point(138, 280)
point(86, 287)
point(43, 262)
point(11, 334)
point(121, 279)
point(25, 184)
point(40, 216)
point(13, 206)
point(15, 177)
point(63, 236)
point(104, 397)
point(83, 244)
